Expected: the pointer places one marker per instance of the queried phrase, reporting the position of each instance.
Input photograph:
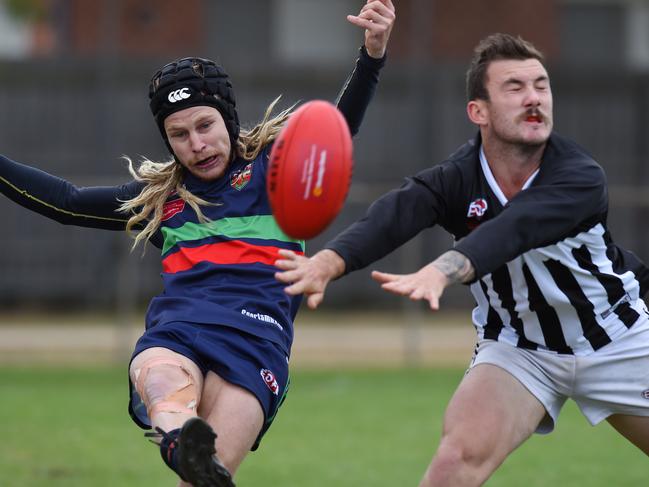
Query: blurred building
(585, 32)
(73, 80)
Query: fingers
(303, 275)
(393, 283)
(314, 300)
(298, 283)
(369, 25)
(408, 286)
(433, 303)
(291, 273)
(387, 3)
(381, 7)
(420, 293)
(377, 18)
(287, 276)
(296, 288)
(383, 276)
(371, 20)
(290, 260)
(288, 255)
(374, 16)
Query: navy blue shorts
(255, 364)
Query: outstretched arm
(56, 198)
(377, 18)
(430, 281)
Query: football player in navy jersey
(559, 311)
(214, 356)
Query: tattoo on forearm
(455, 266)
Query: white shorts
(611, 380)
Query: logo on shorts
(270, 381)
(645, 393)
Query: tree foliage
(27, 10)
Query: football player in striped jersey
(559, 310)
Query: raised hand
(377, 18)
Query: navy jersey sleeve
(392, 220)
(567, 197)
(359, 89)
(56, 198)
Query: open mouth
(207, 162)
(533, 118)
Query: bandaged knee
(166, 386)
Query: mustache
(534, 112)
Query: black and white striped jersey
(548, 275)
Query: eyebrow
(199, 120)
(174, 128)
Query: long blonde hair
(164, 178)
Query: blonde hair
(164, 178)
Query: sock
(169, 448)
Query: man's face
(200, 141)
(519, 109)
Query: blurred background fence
(73, 100)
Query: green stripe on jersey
(258, 226)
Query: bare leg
(235, 415)
(490, 414)
(633, 428)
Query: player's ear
(477, 111)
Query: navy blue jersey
(220, 272)
(223, 270)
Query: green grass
(69, 427)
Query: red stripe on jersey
(233, 252)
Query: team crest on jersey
(270, 381)
(645, 393)
(171, 208)
(477, 208)
(240, 178)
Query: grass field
(347, 428)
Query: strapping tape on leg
(183, 395)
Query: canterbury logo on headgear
(178, 95)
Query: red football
(310, 169)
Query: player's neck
(512, 164)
